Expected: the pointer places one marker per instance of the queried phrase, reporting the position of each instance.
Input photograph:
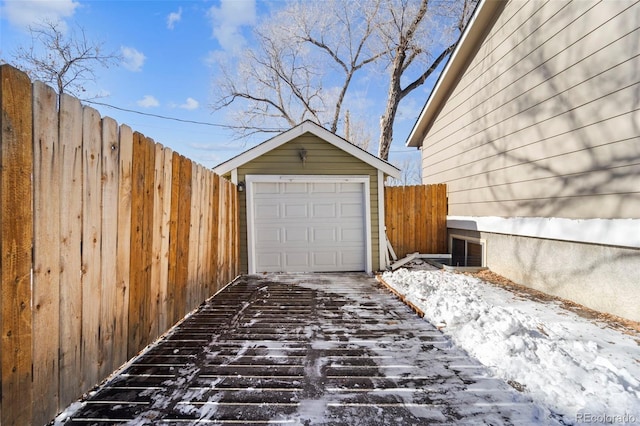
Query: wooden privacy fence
(416, 218)
(107, 240)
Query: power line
(164, 117)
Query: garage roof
(299, 130)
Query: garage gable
(316, 130)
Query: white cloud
(148, 102)
(228, 20)
(173, 18)
(215, 57)
(133, 60)
(190, 104)
(24, 13)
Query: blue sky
(169, 50)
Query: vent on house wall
(466, 251)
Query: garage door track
(331, 349)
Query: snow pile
(578, 368)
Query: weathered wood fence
(416, 218)
(107, 240)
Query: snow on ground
(578, 368)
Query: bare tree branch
(290, 60)
(66, 60)
(415, 43)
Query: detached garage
(311, 202)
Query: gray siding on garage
(545, 120)
(323, 158)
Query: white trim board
(614, 232)
(382, 237)
(251, 179)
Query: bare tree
(411, 33)
(65, 59)
(272, 83)
(307, 55)
(343, 36)
(301, 66)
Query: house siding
(545, 120)
(538, 141)
(323, 158)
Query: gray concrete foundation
(604, 278)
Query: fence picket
(70, 248)
(156, 241)
(109, 231)
(163, 315)
(16, 223)
(91, 243)
(123, 266)
(182, 240)
(137, 312)
(193, 237)
(215, 213)
(172, 285)
(46, 253)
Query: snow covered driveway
(313, 349)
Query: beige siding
(545, 121)
(322, 159)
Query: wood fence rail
(107, 240)
(416, 218)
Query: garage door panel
(351, 235)
(296, 235)
(267, 210)
(268, 235)
(351, 258)
(351, 210)
(273, 260)
(324, 211)
(325, 235)
(296, 210)
(325, 259)
(309, 226)
(323, 188)
(267, 188)
(294, 188)
(350, 188)
(296, 260)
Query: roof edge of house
(474, 31)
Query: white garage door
(307, 226)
